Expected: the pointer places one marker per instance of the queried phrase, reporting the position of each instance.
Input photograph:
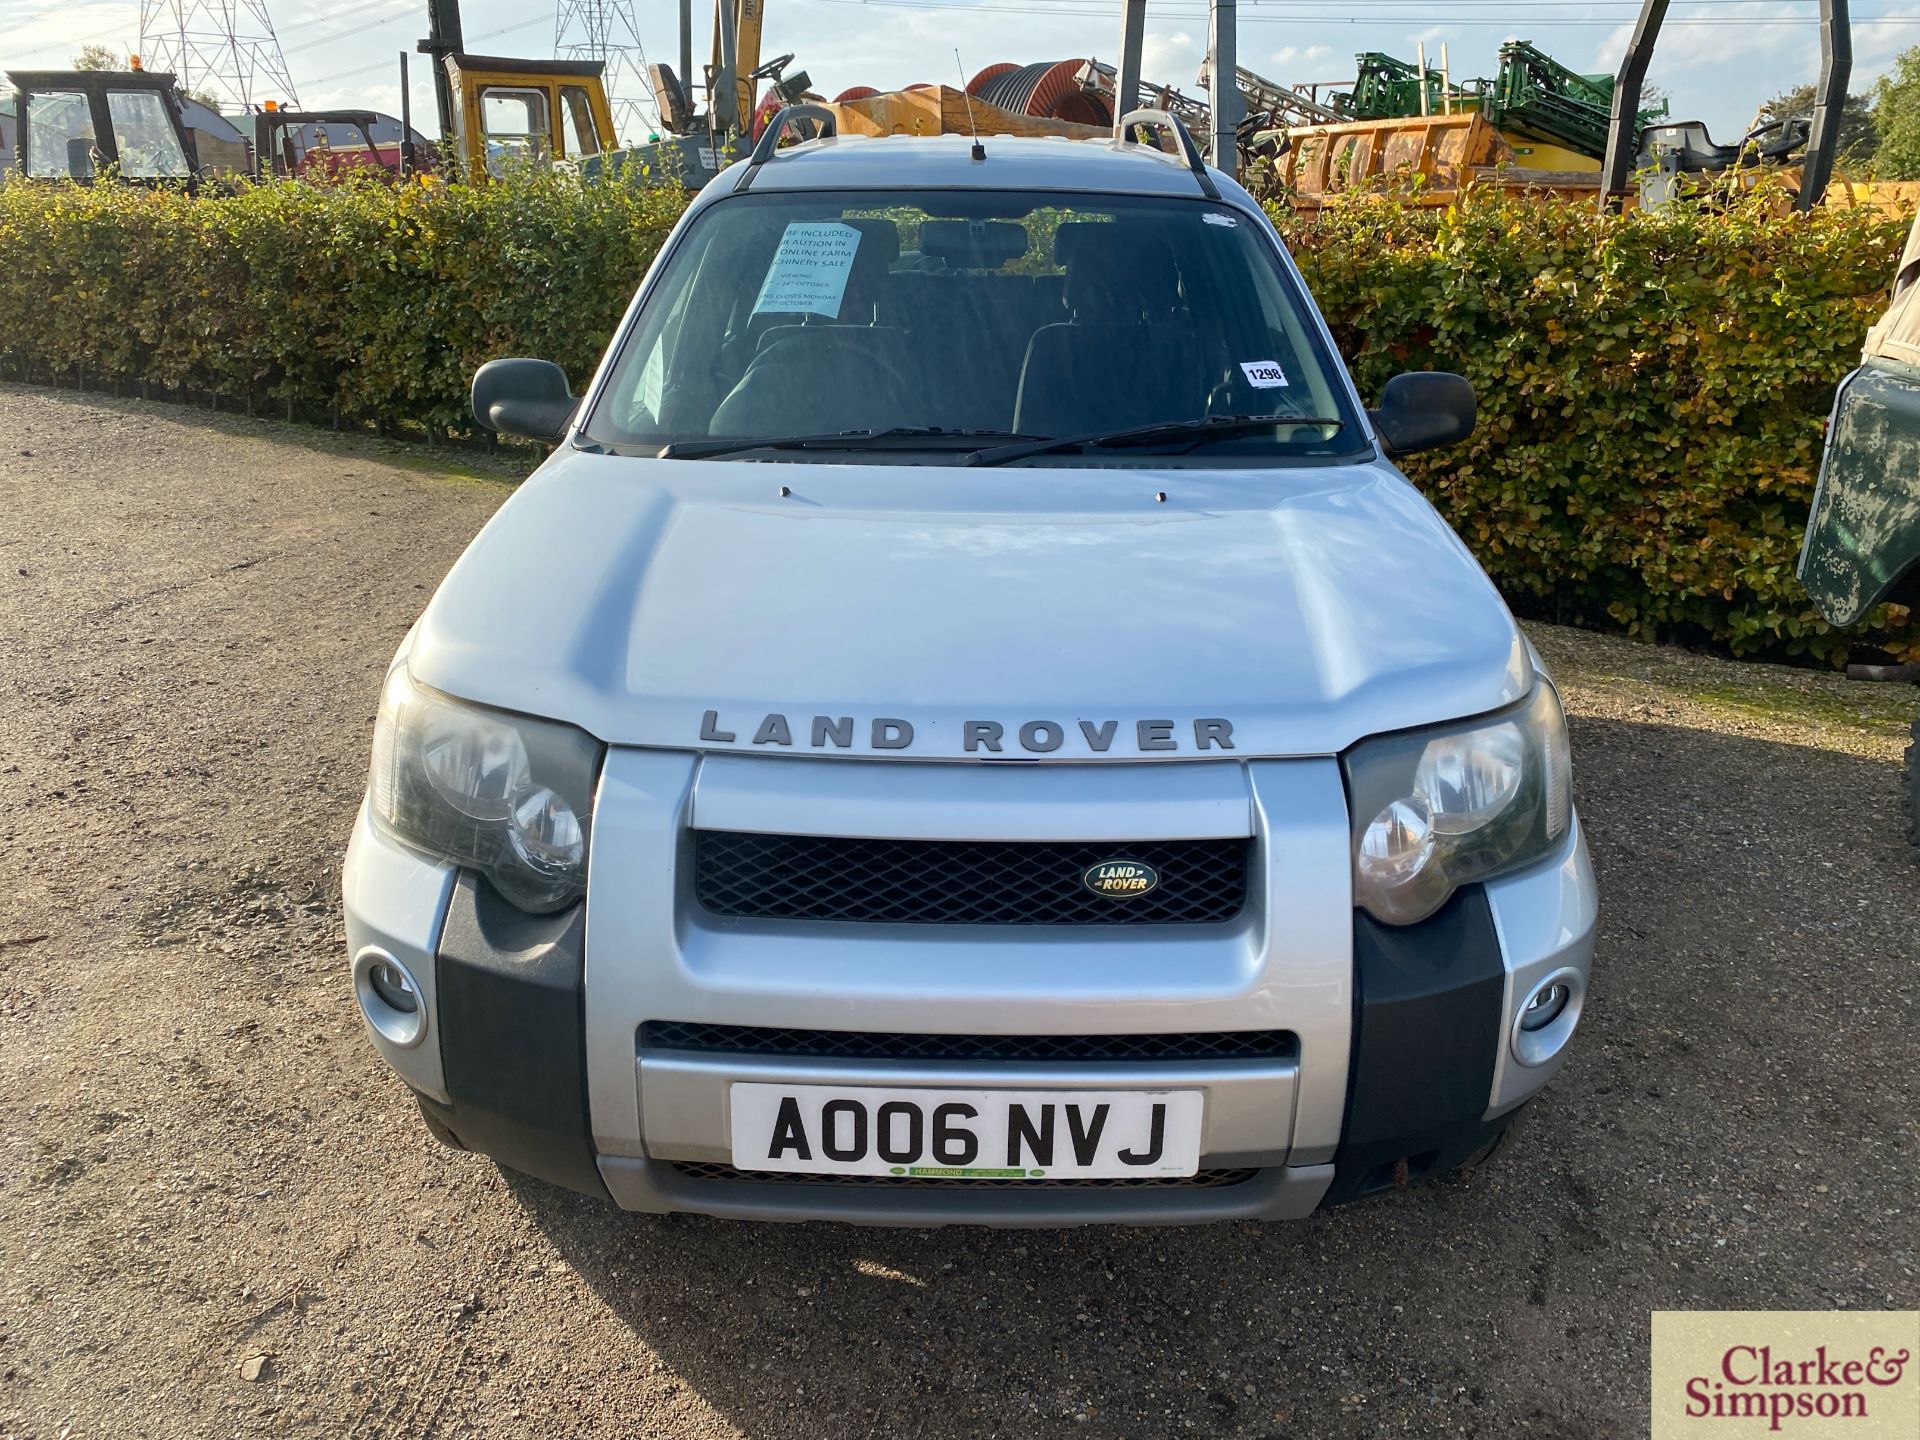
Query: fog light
(1544, 1007)
(1547, 1017)
(393, 985)
(389, 997)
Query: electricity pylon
(218, 48)
(605, 30)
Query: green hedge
(1653, 393)
(1652, 387)
(372, 300)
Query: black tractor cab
(83, 125)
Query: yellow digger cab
(509, 112)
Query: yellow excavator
(497, 112)
(699, 144)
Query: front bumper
(1403, 1062)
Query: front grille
(962, 882)
(884, 1045)
(1201, 1180)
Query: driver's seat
(829, 374)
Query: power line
(119, 29)
(384, 64)
(26, 22)
(379, 22)
(404, 13)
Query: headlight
(502, 794)
(1435, 809)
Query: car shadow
(1759, 907)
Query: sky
(1718, 60)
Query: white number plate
(967, 1134)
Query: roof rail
(1165, 121)
(769, 140)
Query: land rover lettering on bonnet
(969, 725)
(1038, 737)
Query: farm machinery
(138, 127)
(1537, 125)
(699, 144)
(84, 124)
(1670, 156)
(304, 144)
(497, 111)
(1076, 97)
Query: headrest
(1120, 275)
(1067, 237)
(879, 248)
(879, 240)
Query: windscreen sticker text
(1214, 217)
(809, 271)
(1263, 374)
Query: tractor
(82, 125)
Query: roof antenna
(979, 151)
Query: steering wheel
(1795, 129)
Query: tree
(99, 57)
(1859, 132)
(1897, 109)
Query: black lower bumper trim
(1427, 1012)
(511, 1037)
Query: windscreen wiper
(1208, 427)
(733, 444)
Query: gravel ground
(209, 1177)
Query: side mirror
(528, 398)
(1424, 410)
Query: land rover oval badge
(1120, 879)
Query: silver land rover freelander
(969, 725)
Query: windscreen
(59, 134)
(144, 135)
(998, 314)
(515, 124)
